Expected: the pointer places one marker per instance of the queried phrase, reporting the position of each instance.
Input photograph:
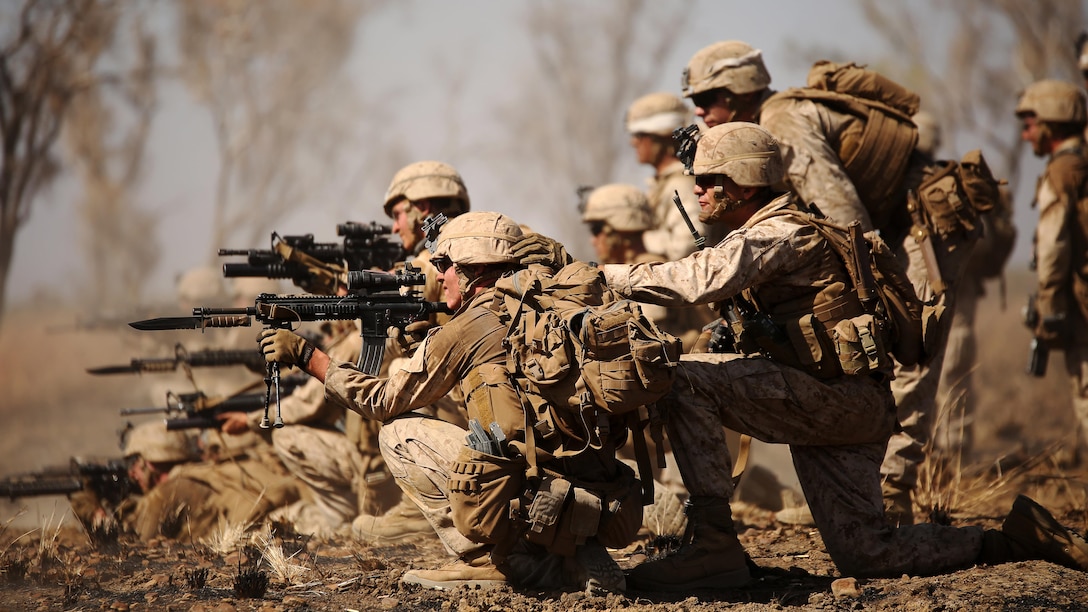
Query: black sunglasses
(705, 99)
(441, 264)
(596, 227)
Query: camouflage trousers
(419, 451)
(328, 463)
(837, 431)
(915, 387)
(953, 429)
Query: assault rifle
(377, 302)
(206, 358)
(108, 479)
(318, 267)
(198, 411)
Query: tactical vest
(847, 327)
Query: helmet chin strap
(467, 285)
(1042, 139)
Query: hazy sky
(396, 54)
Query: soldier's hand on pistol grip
(539, 249)
(282, 346)
(411, 337)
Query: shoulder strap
(852, 104)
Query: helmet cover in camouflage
(424, 180)
(658, 113)
(624, 208)
(200, 286)
(478, 238)
(929, 132)
(1053, 101)
(154, 442)
(745, 152)
(732, 65)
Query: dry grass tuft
(228, 537)
(951, 488)
(48, 548)
(280, 563)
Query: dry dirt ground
(52, 410)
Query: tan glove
(539, 249)
(284, 347)
(411, 336)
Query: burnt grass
(1024, 429)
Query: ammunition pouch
(561, 513)
(837, 338)
(490, 503)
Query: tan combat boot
(596, 571)
(711, 557)
(402, 521)
(473, 570)
(1034, 533)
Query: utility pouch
(859, 345)
(978, 182)
(481, 487)
(628, 361)
(564, 513)
(948, 211)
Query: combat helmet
(658, 113)
(428, 179)
(732, 65)
(155, 443)
(624, 208)
(1053, 101)
(478, 238)
(745, 152)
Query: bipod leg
(276, 377)
(269, 370)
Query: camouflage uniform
(808, 132)
(836, 428)
(419, 181)
(197, 500)
(419, 450)
(1062, 264)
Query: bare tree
(590, 61)
(994, 49)
(107, 144)
(267, 72)
(47, 55)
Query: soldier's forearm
(318, 364)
